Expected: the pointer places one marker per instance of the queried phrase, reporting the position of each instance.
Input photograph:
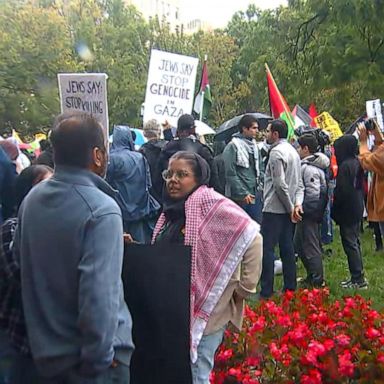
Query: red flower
(346, 366)
(252, 361)
(372, 333)
(275, 352)
(328, 344)
(288, 295)
(224, 355)
(308, 339)
(314, 377)
(373, 315)
(284, 321)
(350, 302)
(258, 325)
(236, 372)
(343, 340)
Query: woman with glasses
(226, 254)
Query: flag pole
(281, 100)
(202, 93)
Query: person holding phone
(373, 161)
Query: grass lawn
(336, 270)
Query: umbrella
(226, 130)
(203, 129)
(139, 140)
(352, 128)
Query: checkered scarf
(219, 233)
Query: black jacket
(186, 144)
(348, 204)
(46, 158)
(151, 150)
(7, 183)
(218, 174)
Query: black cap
(185, 123)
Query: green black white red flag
(278, 105)
(203, 99)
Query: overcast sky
(219, 12)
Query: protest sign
(328, 123)
(374, 111)
(85, 92)
(170, 86)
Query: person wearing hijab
(348, 207)
(226, 254)
(13, 338)
(128, 172)
(185, 140)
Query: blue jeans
(277, 229)
(15, 368)
(255, 211)
(206, 356)
(117, 375)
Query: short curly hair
(152, 129)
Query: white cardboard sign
(85, 92)
(170, 86)
(373, 108)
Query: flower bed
(304, 338)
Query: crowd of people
(67, 218)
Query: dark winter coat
(151, 150)
(46, 158)
(128, 172)
(7, 182)
(218, 174)
(348, 204)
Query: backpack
(314, 208)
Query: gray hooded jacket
(313, 175)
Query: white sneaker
(278, 269)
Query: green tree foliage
(221, 51)
(330, 52)
(34, 46)
(325, 51)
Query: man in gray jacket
(70, 245)
(283, 199)
(307, 233)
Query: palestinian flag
(278, 105)
(203, 99)
(301, 118)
